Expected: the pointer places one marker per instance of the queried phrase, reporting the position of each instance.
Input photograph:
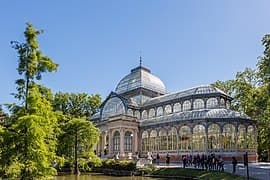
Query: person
(220, 164)
(234, 163)
(168, 159)
(184, 161)
(158, 157)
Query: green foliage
(29, 143)
(29, 139)
(149, 169)
(76, 105)
(264, 61)
(118, 165)
(79, 136)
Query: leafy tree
(78, 135)
(76, 105)
(29, 141)
(32, 62)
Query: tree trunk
(76, 171)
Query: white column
(135, 142)
(122, 136)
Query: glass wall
(212, 103)
(241, 135)
(213, 136)
(228, 136)
(185, 138)
(163, 139)
(152, 113)
(159, 111)
(198, 104)
(251, 137)
(177, 107)
(186, 106)
(144, 114)
(172, 139)
(116, 141)
(128, 141)
(153, 141)
(168, 109)
(199, 138)
(145, 141)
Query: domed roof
(140, 77)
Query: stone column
(102, 144)
(122, 136)
(110, 143)
(135, 142)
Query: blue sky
(96, 43)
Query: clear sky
(96, 43)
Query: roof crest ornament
(140, 58)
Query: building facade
(140, 117)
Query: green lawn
(196, 173)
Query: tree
(80, 135)
(75, 130)
(29, 141)
(32, 62)
(77, 105)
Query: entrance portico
(119, 135)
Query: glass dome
(140, 77)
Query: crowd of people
(208, 162)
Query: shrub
(119, 165)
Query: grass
(196, 174)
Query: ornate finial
(140, 58)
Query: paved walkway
(259, 171)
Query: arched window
(130, 112)
(184, 138)
(113, 106)
(251, 136)
(168, 109)
(116, 141)
(228, 136)
(212, 103)
(145, 141)
(159, 111)
(228, 105)
(151, 113)
(186, 106)
(172, 139)
(222, 103)
(198, 104)
(163, 139)
(198, 138)
(137, 114)
(144, 114)
(128, 141)
(213, 136)
(177, 107)
(153, 141)
(241, 135)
